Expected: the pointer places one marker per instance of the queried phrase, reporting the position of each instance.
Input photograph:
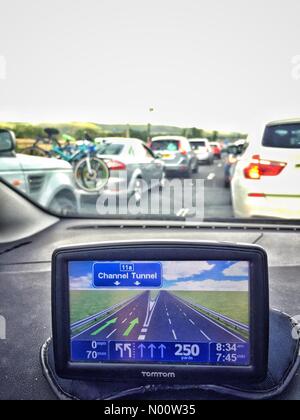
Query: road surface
(165, 318)
(217, 197)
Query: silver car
(48, 182)
(177, 155)
(203, 151)
(132, 166)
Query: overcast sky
(209, 63)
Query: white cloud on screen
(184, 269)
(212, 286)
(80, 283)
(239, 269)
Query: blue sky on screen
(181, 275)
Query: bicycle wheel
(35, 151)
(94, 181)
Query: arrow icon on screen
(117, 283)
(142, 347)
(162, 349)
(132, 325)
(152, 347)
(104, 326)
(137, 283)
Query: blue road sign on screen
(127, 274)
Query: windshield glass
(145, 110)
(111, 149)
(283, 136)
(165, 145)
(198, 145)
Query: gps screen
(178, 312)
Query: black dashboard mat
(284, 362)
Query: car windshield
(112, 110)
(198, 145)
(283, 136)
(111, 149)
(165, 145)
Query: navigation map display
(178, 312)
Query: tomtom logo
(159, 375)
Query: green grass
(89, 302)
(234, 305)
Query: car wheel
(227, 183)
(64, 205)
(189, 172)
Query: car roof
(284, 122)
(197, 140)
(179, 138)
(122, 140)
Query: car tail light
(257, 195)
(182, 150)
(115, 165)
(260, 167)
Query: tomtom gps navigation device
(182, 312)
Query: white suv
(49, 182)
(266, 179)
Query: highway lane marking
(125, 320)
(142, 338)
(174, 335)
(170, 322)
(144, 330)
(87, 331)
(184, 314)
(192, 322)
(150, 315)
(214, 323)
(130, 313)
(205, 335)
(109, 335)
(211, 177)
(219, 326)
(183, 212)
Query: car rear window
(111, 149)
(198, 145)
(282, 136)
(169, 145)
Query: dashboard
(25, 283)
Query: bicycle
(37, 150)
(91, 173)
